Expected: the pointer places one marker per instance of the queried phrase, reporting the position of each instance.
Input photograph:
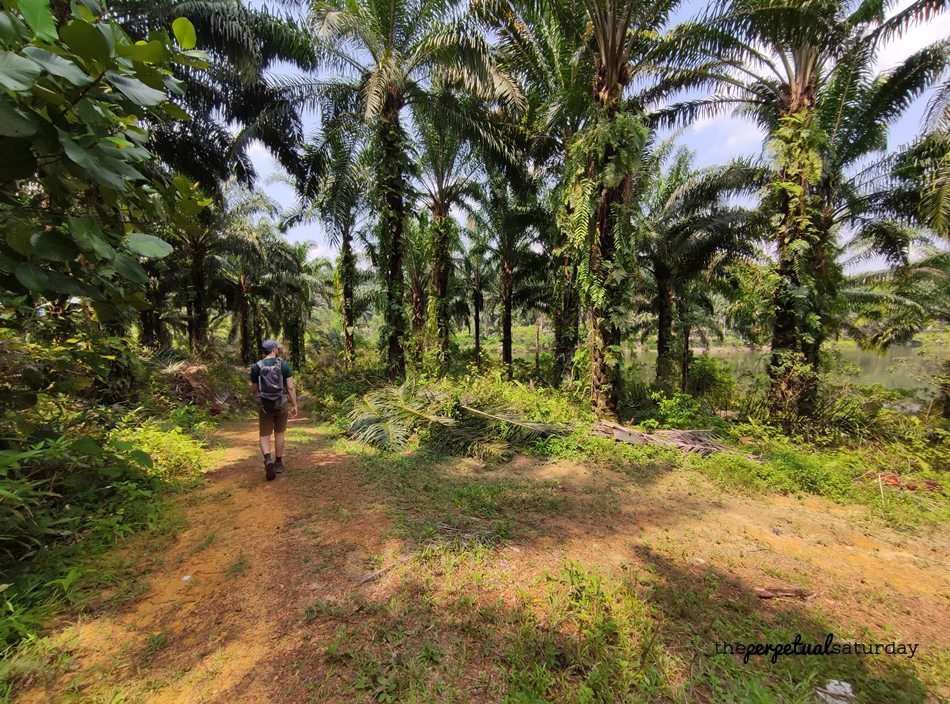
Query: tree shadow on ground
(477, 624)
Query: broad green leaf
(150, 76)
(173, 85)
(86, 13)
(147, 52)
(7, 264)
(118, 166)
(10, 29)
(86, 42)
(138, 301)
(18, 237)
(183, 184)
(129, 269)
(18, 159)
(54, 246)
(148, 245)
(48, 96)
(16, 72)
(142, 458)
(31, 276)
(175, 111)
(185, 33)
(37, 14)
(105, 311)
(14, 123)
(188, 206)
(21, 400)
(68, 286)
(111, 472)
(58, 66)
(86, 446)
(135, 90)
(88, 235)
(86, 159)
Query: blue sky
(715, 141)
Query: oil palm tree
(232, 89)
(621, 38)
(538, 42)
(476, 275)
(508, 224)
(200, 242)
(683, 223)
(801, 70)
(334, 190)
(386, 57)
(448, 167)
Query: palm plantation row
(543, 142)
(521, 139)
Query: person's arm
(292, 392)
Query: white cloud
(716, 140)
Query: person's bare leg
(265, 444)
(278, 444)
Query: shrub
(174, 454)
(713, 379)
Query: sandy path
(224, 604)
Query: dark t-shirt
(284, 369)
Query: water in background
(895, 369)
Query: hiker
(272, 383)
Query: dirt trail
(275, 569)
(222, 607)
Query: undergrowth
(77, 485)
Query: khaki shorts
(273, 422)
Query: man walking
(272, 383)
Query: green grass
(646, 632)
(579, 632)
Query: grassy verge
(480, 612)
(87, 496)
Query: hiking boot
(269, 470)
(278, 466)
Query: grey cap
(270, 346)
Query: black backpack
(271, 385)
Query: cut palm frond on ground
(697, 442)
(386, 418)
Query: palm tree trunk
(566, 319)
(198, 320)
(477, 305)
(244, 324)
(441, 316)
(664, 336)
(943, 384)
(417, 292)
(148, 327)
(799, 267)
(537, 348)
(507, 293)
(605, 387)
(392, 184)
(347, 285)
(684, 380)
